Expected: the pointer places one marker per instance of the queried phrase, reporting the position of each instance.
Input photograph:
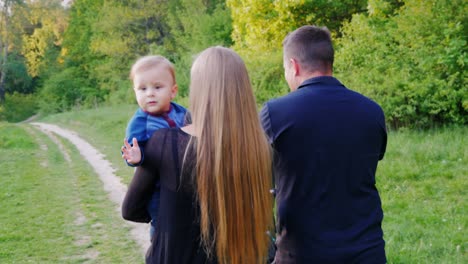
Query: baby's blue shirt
(142, 125)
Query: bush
(66, 90)
(267, 75)
(18, 107)
(412, 63)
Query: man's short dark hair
(311, 46)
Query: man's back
(328, 140)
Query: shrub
(18, 107)
(267, 75)
(67, 89)
(413, 63)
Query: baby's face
(154, 89)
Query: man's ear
(295, 66)
(174, 90)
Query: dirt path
(89, 254)
(111, 183)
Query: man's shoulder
(290, 101)
(369, 102)
(285, 99)
(277, 109)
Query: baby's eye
(143, 88)
(158, 87)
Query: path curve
(112, 184)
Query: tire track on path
(81, 239)
(111, 183)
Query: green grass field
(422, 182)
(54, 210)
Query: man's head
(154, 83)
(307, 52)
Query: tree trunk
(3, 72)
(4, 46)
(2, 89)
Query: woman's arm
(142, 186)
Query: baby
(155, 87)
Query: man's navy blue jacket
(327, 141)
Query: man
(328, 141)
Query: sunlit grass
(423, 183)
(55, 211)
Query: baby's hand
(132, 154)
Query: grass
(53, 210)
(422, 181)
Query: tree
(66, 80)
(79, 33)
(123, 31)
(5, 35)
(48, 21)
(197, 24)
(410, 58)
(194, 25)
(261, 25)
(17, 77)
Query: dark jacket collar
(329, 80)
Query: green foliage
(18, 107)
(194, 26)
(77, 36)
(17, 77)
(47, 21)
(71, 81)
(103, 40)
(413, 63)
(267, 76)
(408, 55)
(122, 32)
(260, 26)
(67, 89)
(197, 24)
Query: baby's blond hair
(147, 62)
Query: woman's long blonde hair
(233, 159)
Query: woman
(215, 174)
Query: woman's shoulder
(164, 132)
(163, 142)
(167, 134)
